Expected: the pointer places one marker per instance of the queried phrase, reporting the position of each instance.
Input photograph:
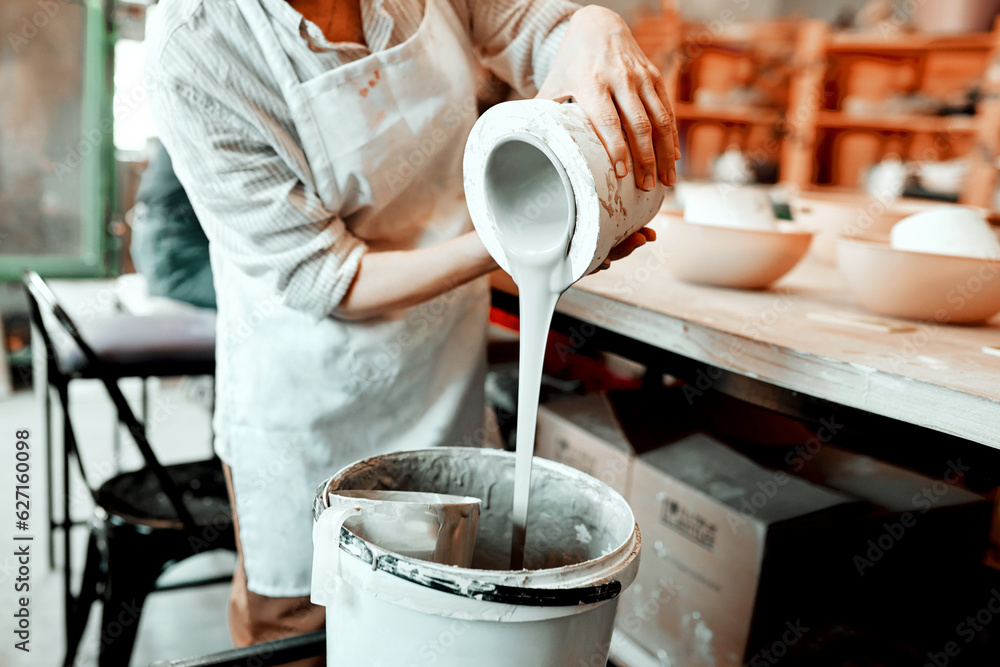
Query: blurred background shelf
(729, 85)
(939, 74)
(899, 123)
(801, 103)
(744, 115)
(911, 43)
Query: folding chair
(148, 519)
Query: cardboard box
(738, 558)
(584, 433)
(600, 434)
(710, 519)
(913, 557)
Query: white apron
(298, 400)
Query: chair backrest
(44, 310)
(45, 307)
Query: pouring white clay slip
(545, 199)
(532, 202)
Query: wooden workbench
(935, 376)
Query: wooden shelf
(868, 44)
(845, 195)
(827, 67)
(900, 123)
(835, 65)
(748, 115)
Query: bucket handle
(498, 593)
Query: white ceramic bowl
(918, 285)
(948, 230)
(730, 256)
(841, 215)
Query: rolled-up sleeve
(254, 208)
(518, 39)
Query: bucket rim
(408, 497)
(552, 587)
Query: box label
(688, 523)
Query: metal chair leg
(63, 391)
(49, 478)
(82, 603)
(131, 577)
(116, 444)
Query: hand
(627, 247)
(601, 67)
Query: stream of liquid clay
(534, 276)
(539, 265)
(534, 210)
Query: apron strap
(263, 29)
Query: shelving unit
(806, 72)
(748, 115)
(893, 123)
(917, 43)
(830, 146)
(705, 60)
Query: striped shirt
(221, 114)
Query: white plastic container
(582, 551)
(557, 157)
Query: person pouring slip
(321, 144)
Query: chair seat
(144, 346)
(137, 495)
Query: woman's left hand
(601, 67)
(627, 247)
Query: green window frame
(94, 258)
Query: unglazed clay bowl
(919, 285)
(731, 256)
(834, 216)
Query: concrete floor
(174, 624)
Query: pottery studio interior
(685, 351)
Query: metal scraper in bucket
(428, 526)
(435, 527)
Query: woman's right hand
(602, 68)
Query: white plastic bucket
(582, 551)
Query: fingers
(663, 134)
(627, 247)
(632, 115)
(601, 110)
(660, 89)
(639, 131)
(605, 265)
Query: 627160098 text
(22, 541)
